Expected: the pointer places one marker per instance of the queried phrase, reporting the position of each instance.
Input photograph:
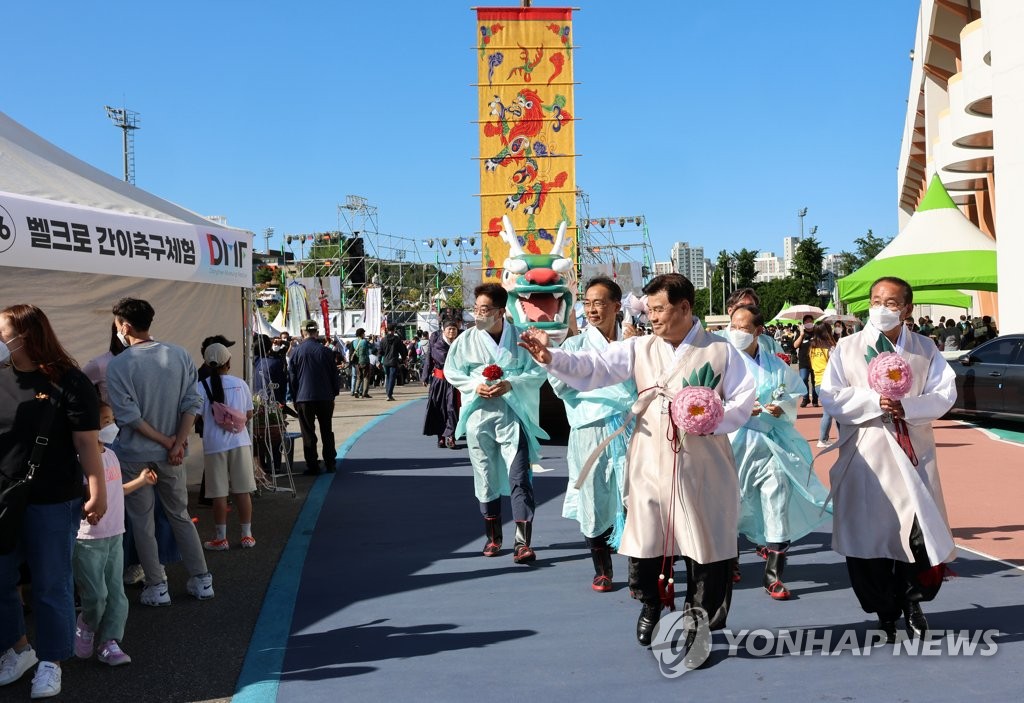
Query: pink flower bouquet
(890, 376)
(697, 410)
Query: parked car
(990, 379)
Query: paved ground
(193, 651)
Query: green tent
(785, 306)
(938, 250)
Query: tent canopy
(76, 239)
(939, 249)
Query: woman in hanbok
(781, 499)
(443, 398)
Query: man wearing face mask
(890, 518)
(748, 296)
(499, 417)
(595, 415)
(781, 499)
(803, 355)
(681, 492)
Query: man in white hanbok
(681, 491)
(889, 516)
(781, 499)
(748, 296)
(499, 417)
(593, 416)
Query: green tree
(265, 274)
(745, 269)
(868, 248)
(700, 302)
(807, 269)
(774, 294)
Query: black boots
(650, 614)
(522, 552)
(601, 553)
(888, 628)
(917, 624)
(775, 564)
(492, 528)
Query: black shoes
(522, 552)
(917, 624)
(492, 528)
(649, 617)
(888, 628)
(450, 442)
(775, 564)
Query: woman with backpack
(227, 406)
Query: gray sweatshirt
(155, 382)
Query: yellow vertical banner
(527, 132)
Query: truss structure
(612, 240)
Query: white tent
(73, 240)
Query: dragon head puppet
(540, 287)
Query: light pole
(801, 213)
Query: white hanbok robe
(492, 425)
(693, 490)
(877, 491)
(594, 415)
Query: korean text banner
(527, 142)
(43, 234)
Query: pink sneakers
(83, 639)
(110, 653)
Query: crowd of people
(642, 480)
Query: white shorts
(229, 471)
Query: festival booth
(940, 253)
(74, 240)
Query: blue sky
(717, 120)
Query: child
(99, 560)
(228, 454)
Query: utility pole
(128, 121)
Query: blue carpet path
(383, 595)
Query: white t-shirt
(112, 523)
(236, 395)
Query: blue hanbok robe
(492, 425)
(593, 416)
(781, 499)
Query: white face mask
(484, 323)
(884, 319)
(109, 433)
(121, 338)
(277, 347)
(740, 339)
(5, 351)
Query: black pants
(708, 586)
(520, 482)
(886, 586)
(319, 411)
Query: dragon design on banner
(540, 287)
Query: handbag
(14, 492)
(226, 417)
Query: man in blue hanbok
(499, 416)
(781, 499)
(593, 416)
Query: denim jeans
(47, 542)
(807, 376)
(826, 420)
(389, 380)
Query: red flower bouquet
(785, 357)
(493, 373)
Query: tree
(774, 294)
(745, 269)
(868, 248)
(700, 302)
(265, 274)
(807, 270)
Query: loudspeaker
(355, 262)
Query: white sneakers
(201, 586)
(46, 682)
(155, 595)
(824, 444)
(13, 665)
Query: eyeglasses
(484, 310)
(595, 304)
(891, 304)
(658, 310)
